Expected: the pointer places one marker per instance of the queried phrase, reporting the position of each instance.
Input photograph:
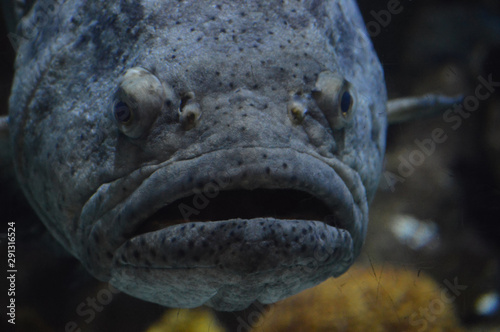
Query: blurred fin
(5, 155)
(14, 10)
(4, 129)
(411, 108)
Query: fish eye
(122, 112)
(335, 97)
(138, 101)
(346, 102)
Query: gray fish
(200, 152)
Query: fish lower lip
(264, 260)
(289, 221)
(229, 219)
(238, 245)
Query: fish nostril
(297, 109)
(189, 111)
(190, 115)
(185, 98)
(296, 113)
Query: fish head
(198, 153)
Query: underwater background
(431, 261)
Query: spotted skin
(122, 109)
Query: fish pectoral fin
(410, 108)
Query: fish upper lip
(330, 181)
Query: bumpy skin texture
(244, 65)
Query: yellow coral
(366, 299)
(187, 320)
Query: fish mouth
(262, 223)
(283, 204)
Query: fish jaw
(226, 264)
(264, 265)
